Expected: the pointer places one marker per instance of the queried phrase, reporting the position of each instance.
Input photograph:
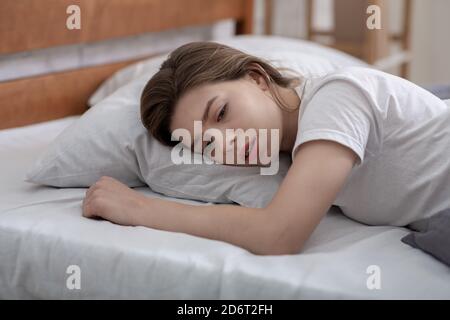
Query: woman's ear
(258, 79)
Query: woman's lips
(252, 153)
(245, 150)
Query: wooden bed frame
(35, 24)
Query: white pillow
(125, 76)
(109, 139)
(308, 58)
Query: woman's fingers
(100, 183)
(87, 201)
(99, 195)
(85, 211)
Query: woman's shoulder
(365, 80)
(355, 74)
(347, 78)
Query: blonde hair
(195, 64)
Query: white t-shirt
(401, 134)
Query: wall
(430, 41)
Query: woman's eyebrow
(205, 116)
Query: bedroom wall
(430, 41)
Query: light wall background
(430, 31)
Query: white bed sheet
(42, 232)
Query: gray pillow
(433, 236)
(109, 139)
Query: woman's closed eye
(220, 116)
(222, 112)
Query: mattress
(43, 235)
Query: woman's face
(240, 104)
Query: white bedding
(42, 232)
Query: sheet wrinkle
(41, 202)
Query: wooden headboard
(36, 24)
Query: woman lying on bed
(371, 143)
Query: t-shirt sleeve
(338, 111)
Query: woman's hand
(110, 199)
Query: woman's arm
(313, 181)
(249, 228)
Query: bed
(43, 235)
